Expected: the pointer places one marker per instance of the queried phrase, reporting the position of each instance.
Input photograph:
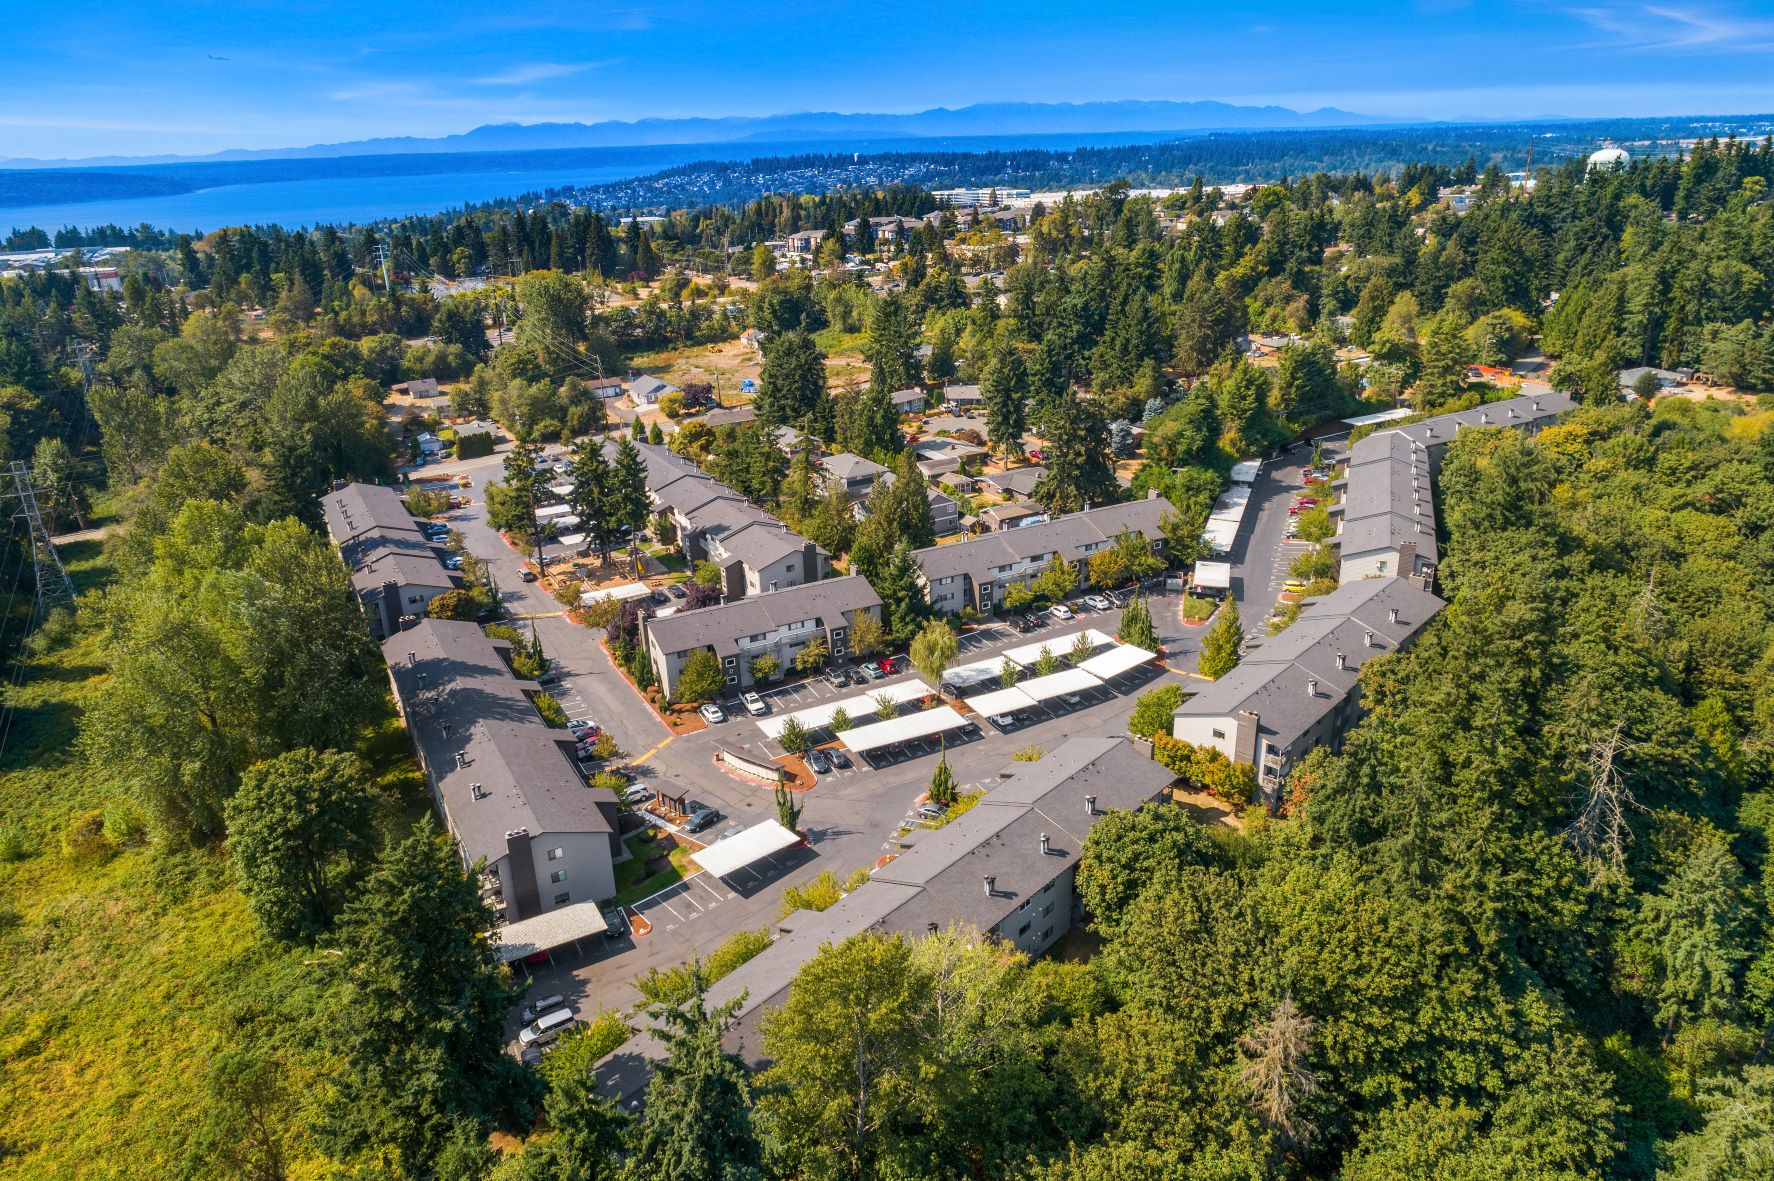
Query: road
(850, 817)
(1262, 554)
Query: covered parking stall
(745, 848)
(817, 717)
(1060, 646)
(876, 742)
(542, 933)
(1117, 661)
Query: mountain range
(1010, 118)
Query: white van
(546, 1027)
(542, 1005)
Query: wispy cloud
(79, 124)
(539, 72)
(1689, 30)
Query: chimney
(412, 659)
(1046, 847)
(1090, 805)
(475, 791)
(1312, 686)
(1392, 615)
(991, 886)
(1367, 639)
(1342, 663)
(462, 760)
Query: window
(732, 680)
(556, 854)
(557, 877)
(1022, 930)
(562, 899)
(791, 567)
(1218, 733)
(1047, 887)
(730, 662)
(1024, 906)
(1047, 934)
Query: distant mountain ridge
(1010, 118)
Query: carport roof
(1120, 659)
(816, 716)
(1058, 645)
(740, 850)
(1071, 680)
(548, 930)
(1000, 701)
(918, 725)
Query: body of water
(319, 200)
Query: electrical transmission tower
(380, 254)
(54, 587)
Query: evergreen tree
(1005, 387)
(418, 1026)
(592, 497)
(1219, 652)
(892, 347)
(697, 1122)
(627, 502)
(1445, 355)
(903, 604)
(1079, 468)
(942, 782)
(874, 427)
(1136, 624)
(791, 383)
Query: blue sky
(139, 78)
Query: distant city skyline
(186, 77)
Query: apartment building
(395, 570)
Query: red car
(1038, 456)
(888, 666)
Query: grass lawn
(131, 971)
(633, 882)
(1195, 610)
(669, 559)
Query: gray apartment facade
(505, 783)
(779, 624)
(975, 573)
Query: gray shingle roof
(847, 467)
(723, 626)
(1274, 678)
(459, 696)
(1020, 481)
(357, 509)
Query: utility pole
(54, 587)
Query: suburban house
(756, 552)
(853, 474)
(1003, 870)
(605, 387)
(937, 456)
(1386, 517)
(395, 571)
(996, 518)
(1665, 378)
(910, 401)
(419, 387)
(1299, 690)
(778, 624)
(646, 391)
(731, 415)
(963, 397)
(1015, 484)
(505, 782)
(974, 573)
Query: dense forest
(1517, 928)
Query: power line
(54, 587)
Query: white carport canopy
(965, 675)
(622, 590)
(1245, 471)
(919, 725)
(815, 716)
(741, 849)
(572, 539)
(1216, 575)
(1060, 646)
(553, 511)
(549, 930)
(1002, 701)
(1072, 680)
(1120, 659)
(1220, 534)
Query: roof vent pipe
(412, 659)
(1367, 639)
(991, 885)
(930, 927)
(1046, 847)
(1392, 615)
(1090, 805)
(1312, 687)
(1342, 663)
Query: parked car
(891, 665)
(754, 705)
(546, 1027)
(1115, 599)
(1071, 699)
(932, 811)
(816, 759)
(837, 678)
(857, 677)
(1060, 612)
(1096, 602)
(1038, 456)
(526, 575)
(1004, 721)
(712, 713)
(541, 1005)
(615, 923)
(733, 831)
(701, 817)
(677, 591)
(840, 760)
(874, 670)
(637, 794)
(1024, 624)
(660, 598)
(578, 726)
(1293, 586)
